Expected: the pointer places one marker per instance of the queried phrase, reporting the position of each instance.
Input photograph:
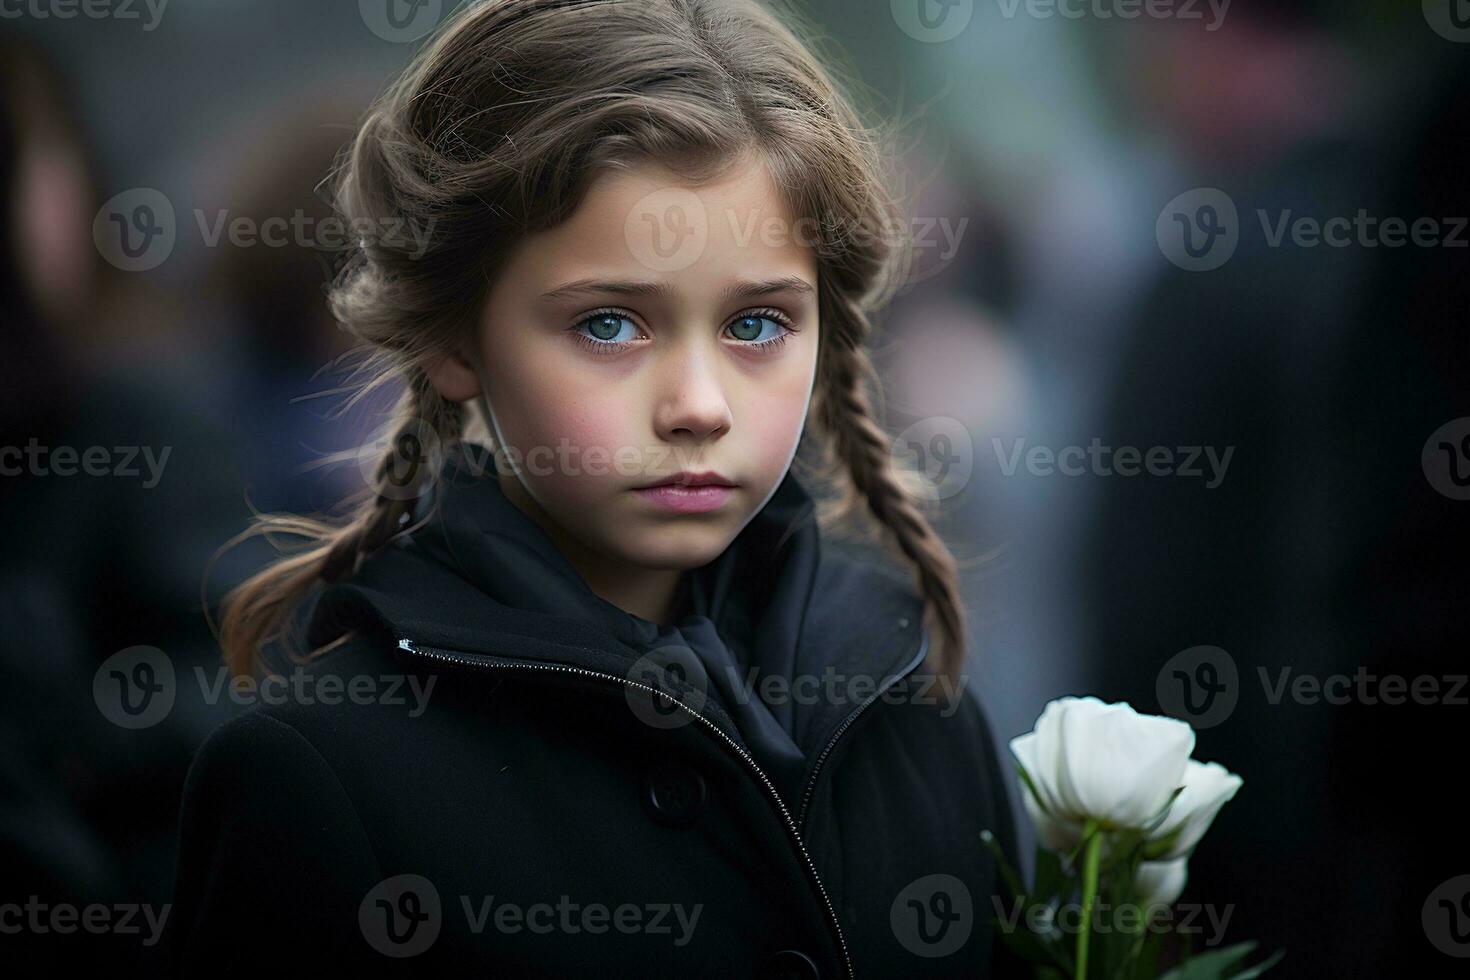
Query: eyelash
(612, 347)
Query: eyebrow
(736, 290)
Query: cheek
(777, 420)
(568, 432)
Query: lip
(686, 499)
(687, 479)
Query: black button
(674, 793)
(791, 964)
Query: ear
(453, 377)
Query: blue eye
(751, 329)
(610, 329)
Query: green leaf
(1260, 967)
(1008, 873)
(1218, 964)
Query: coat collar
(480, 577)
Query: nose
(692, 406)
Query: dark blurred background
(1099, 271)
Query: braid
(863, 449)
(423, 415)
(258, 610)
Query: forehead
(648, 222)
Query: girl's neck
(653, 594)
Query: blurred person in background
(277, 347)
(1324, 550)
(109, 559)
(59, 759)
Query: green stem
(1090, 860)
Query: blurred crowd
(1046, 310)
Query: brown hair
(495, 130)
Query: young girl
(589, 692)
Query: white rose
(1207, 787)
(1160, 882)
(1106, 762)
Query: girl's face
(664, 329)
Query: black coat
(536, 809)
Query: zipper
(434, 653)
(811, 781)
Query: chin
(677, 548)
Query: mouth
(688, 493)
(688, 480)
